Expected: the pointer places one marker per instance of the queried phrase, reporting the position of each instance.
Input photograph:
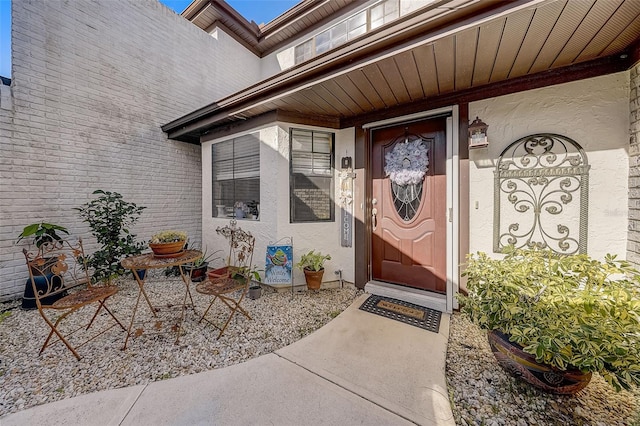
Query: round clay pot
(314, 278)
(520, 364)
(163, 249)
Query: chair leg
(54, 329)
(207, 311)
(103, 305)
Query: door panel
(408, 250)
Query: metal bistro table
(151, 261)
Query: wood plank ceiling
(552, 35)
(544, 36)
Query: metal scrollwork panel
(541, 195)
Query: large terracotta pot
(520, 364)
(166, 249)
(313, 278)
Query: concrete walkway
(359, 369)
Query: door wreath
(407, 163)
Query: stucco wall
(594, 113)
(93, 81)
(274, 205)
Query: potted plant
(167, 243)
(564, 316)
(312, 264)
(198, 268)
(110, 218)
(42, 233)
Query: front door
(408, 212)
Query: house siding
(92, 84)
(594, 113)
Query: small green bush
(567, 311)
(110, 218)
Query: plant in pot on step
(252, 273)
(312, 264)
(198, 269)
(168, 243)
(42, 233)
(553, 320)
(111, 218)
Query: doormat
(408, 313)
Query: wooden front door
(408, 221)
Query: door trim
(453, 193)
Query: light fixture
(478, 134)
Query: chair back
(241, 247)
(54, 268)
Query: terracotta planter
(167, 249)
(313, 278)
(520, 364)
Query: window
(235, 167)
(331, 38)
(304, 51)
(311, 176)
(375, 16)
(384, 12)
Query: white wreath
(407, 163)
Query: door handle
(374, 218)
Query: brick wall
(92, 83)
(633, 245)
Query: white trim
(445, 303)
(418, 297)
(453, 201)
(410, 117)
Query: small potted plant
(555, 319)
(198, 268)
(312, 264)
(168, 243)
(42, 233)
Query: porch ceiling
(428, 58)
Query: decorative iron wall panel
(541, 195)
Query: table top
(152, 261)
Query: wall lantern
(478, 134)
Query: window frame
(331, 176)
(237, 175)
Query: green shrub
(110, 218)
(565, 310)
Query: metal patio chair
(62, 286)
(230, 284)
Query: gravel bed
(279, 319)
(481, 392)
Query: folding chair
(54, 269)
(231, 283)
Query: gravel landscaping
(481, 393)
(279, 319)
